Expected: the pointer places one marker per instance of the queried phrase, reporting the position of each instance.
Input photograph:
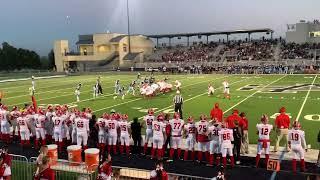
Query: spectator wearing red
(45, 172)
(105, 169)
(159, 173)
(244, 125)
(233, 117)
(282, 124)
(216, 113)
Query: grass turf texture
(254, 102)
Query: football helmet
(296, 125)
(176, 115)
(125, 117)
(150, 111)
(190, 119)
(264, 119)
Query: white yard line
(189, 99)
(305, 99)
(254, 94)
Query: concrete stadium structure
(98, 51)
(303, 32)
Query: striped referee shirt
(178, 99)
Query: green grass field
(253, 94)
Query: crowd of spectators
(298, 51)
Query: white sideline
(254, 94)
(24, 79)
(305, 99)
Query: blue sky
(35, 24)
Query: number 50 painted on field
(273, 165)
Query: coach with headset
(177, 103)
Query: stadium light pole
(128, 21)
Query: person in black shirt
(237, 135)
(136, 135)
(318, 162)
(93, 140)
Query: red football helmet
(203, 117)
(77, 112)
(150, 111)
(57, 108)
(264, 119)
(160, 118)
(296, 125)
(235, 111)
(176, 115)
(4, 107)
(50, 108)
(84, 115)
(125, 117)
(224, 125)
(15, 108)
(24, 113)
(190, 119)
(88, 110)
(40, 111)
(106, 116)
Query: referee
(177, 103)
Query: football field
(253, 94)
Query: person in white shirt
(298, 145)
(82, 130)
(77, 92)
(148, 119)
(177, 126)
(263, 131)
(210, 90)
(158, 128)
(102, 136)
(40, 119)
(5, 125)
(214, 131)
(226, 89)
(112, 126)
(225, 138)
(190, 132)
(178, 85)
(24, 129)
(124, 134)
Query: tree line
(12, 58)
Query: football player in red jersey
(216, 113)
(298, 145)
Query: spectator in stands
(136, 135)
(237, 137)
(159, 173)
(220, 175)
(45, 172)
(245, 138)
(282, 124)
(105, 169)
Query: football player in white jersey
(77, 92)
(215, 150)
(178, 85)
(82, 130)
(202, 137)
(210, 90)
(124, 134)
(190, 132)
(158, 137)
(24, 129)
(57, 131)
(5, 125)
(112, 126)
(73, 115)
(225, 138)
(101, 125)
(40, 119)
(298, 145)
(263, 131)
(14, 114)
(148, 119)
(177, 126)
(226, 89)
